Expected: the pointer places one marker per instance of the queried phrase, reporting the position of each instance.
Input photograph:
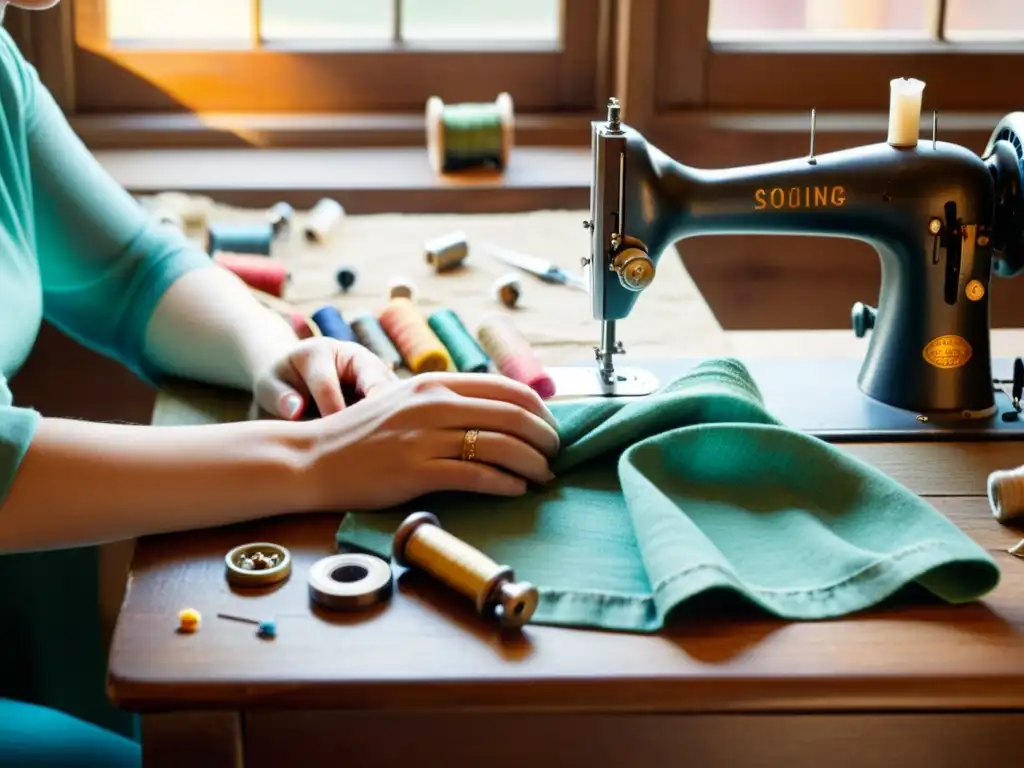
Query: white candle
(905, 111)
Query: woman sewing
(78, 251)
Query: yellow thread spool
(419, 346)
(420, 542)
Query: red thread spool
(257, 272)
(512, 354)
(302, 326)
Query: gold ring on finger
(469, 444)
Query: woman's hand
(314, 372)
(406, 440)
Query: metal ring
(469, 444)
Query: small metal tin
(257, 574)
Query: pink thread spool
(512, 354)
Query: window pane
(339, 20)
(481, 20)
(135, 21)
(985, 20)
(821, 19)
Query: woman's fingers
(472, 477)
(316, 369)
(486, 386)
(496, 416)
(503, 451)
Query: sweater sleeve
(104, 261)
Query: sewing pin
(935, 125)
(263, 628)
(810, 158)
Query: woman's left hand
(314, 371)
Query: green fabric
(696, 490)
(78, 251)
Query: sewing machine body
(942, 219)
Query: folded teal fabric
(697, 489)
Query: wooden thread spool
(512, 355)
(448, 252)
(281, 217)
(322, 218)
(257, 272)
(508, 290)
(401, 288)
(419, 346)
(420, 542)
(466, 136)
(1006, 494)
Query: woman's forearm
(87, 483)
(208, 327)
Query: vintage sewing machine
(942, 219)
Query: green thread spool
(466, 353)
(467, 136)
(254, 238)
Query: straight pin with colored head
(265, 629)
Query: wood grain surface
(426, 650)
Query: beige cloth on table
(670, 319)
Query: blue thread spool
(331, 323)
(252, 238)
(469, 136)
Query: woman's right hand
(406, 440)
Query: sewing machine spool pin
(929, 347)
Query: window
(333, 55)
(840, 54)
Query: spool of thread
(330, 322)
(349, 581)
(466, 136)
(346, 278)
(905, 111)
(322, 219)
(371, 335)
(465, 352)
(300, 323)
(401, 288)
(250, 238)
(419, 346)
(508, 290)
(281, 217)
(447, 252)
(260, 273)
(512, 355)
(421, 543)
(303, 326)
(1006, 494)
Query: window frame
(848, 76)
(262, 80)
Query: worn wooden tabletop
(427, 650)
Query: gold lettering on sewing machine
(947, 351)
(799, 197)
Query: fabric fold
(698, 488)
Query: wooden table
(424, 680)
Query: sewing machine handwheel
(1004, 154)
